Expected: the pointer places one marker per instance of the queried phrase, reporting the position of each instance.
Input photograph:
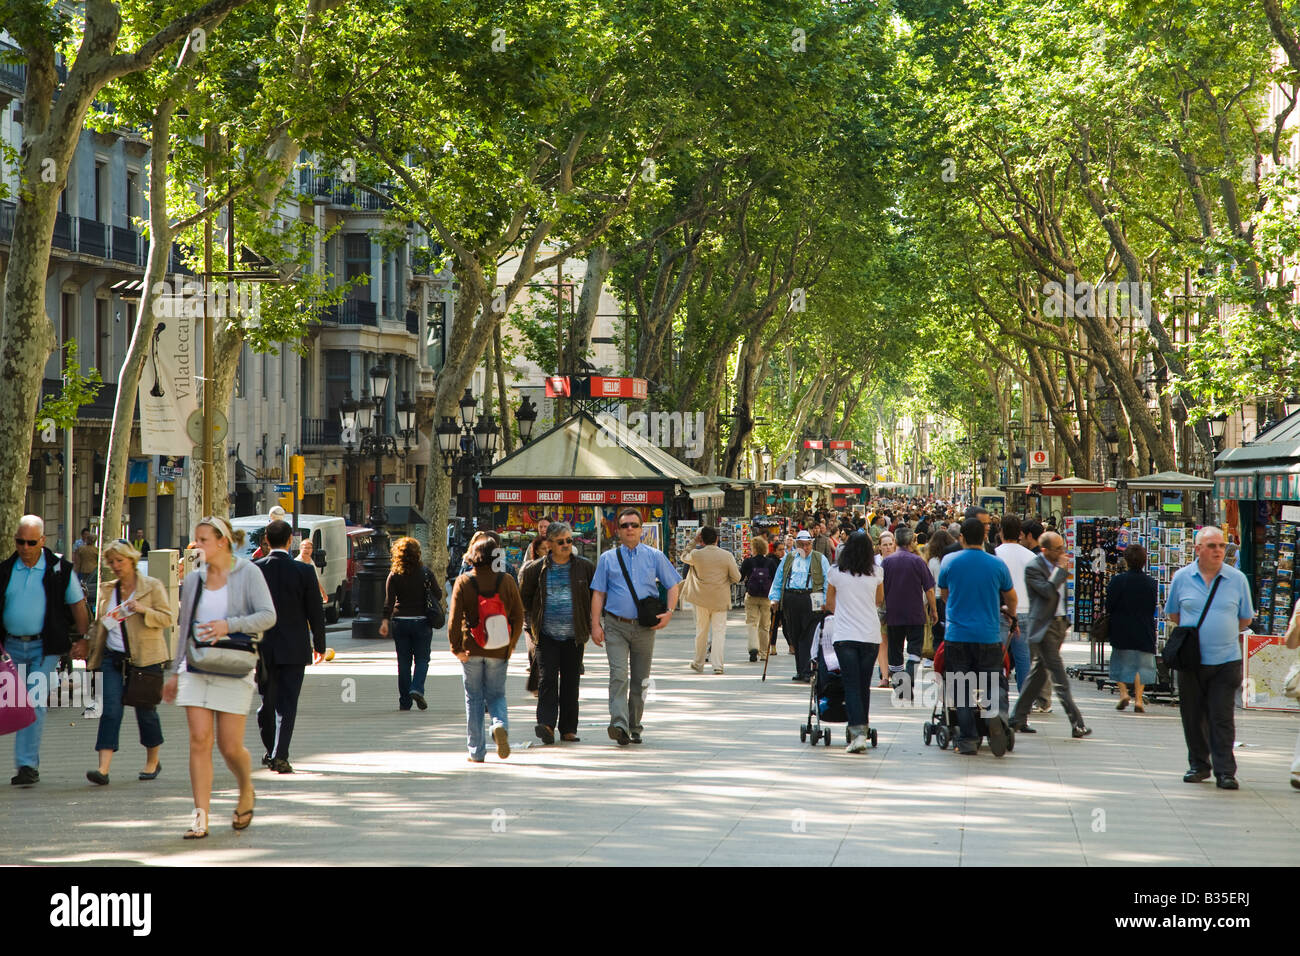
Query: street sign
(1038, 459)
(283, 489)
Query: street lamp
(1218, 424)
(527, 418)
(1112, 448)
(469, 448)
(376, 442)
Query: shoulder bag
(234, 655)
(16, 708)
(142, 685)
(648, 609)
(1183, 648)
(433, 613)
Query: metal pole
(208, 479)
(67, 492)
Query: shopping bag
(16, 710)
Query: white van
(329, 539)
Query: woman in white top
(233, 599)
(851, 597)
(304, 555)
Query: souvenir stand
(1258, 491)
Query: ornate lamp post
(377, 442)
(1112, 449)
(1218, 424)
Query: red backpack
(491, 630)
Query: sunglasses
(30, 544)
(563, 541)
(624, 524)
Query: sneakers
(26, 776)
(1196, 776)
(717, 670)
(1080, 731)
(753, 657)
(1038, 708)
(859, 743)
(503, 741)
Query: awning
(1170, 481)
(1064, 486)
(1267, 483)
(403, 515)
(706, 497)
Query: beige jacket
(715, 571)
(144, 628)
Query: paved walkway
(722, 779)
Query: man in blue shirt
(798, 591)
(1207, 694)
(975, 584)
(34, 634)
(629, 645)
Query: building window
(103, 338)
(356, 262)
(132, 197)
(101, 192)
(435, 337)
(338, 380)
(266, 373)
(239, 372)
(67, 320)
(284, 371)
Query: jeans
(1019, 647)
(29, 655)
(485, 688)
(412, 639)
(856, 660)
(110, 721)
(710, 623)
(1206, 698)
(630, 649)
(557, 691)
(972, 670)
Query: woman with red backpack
(486, 619)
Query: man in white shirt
(1016, 556)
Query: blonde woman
(129, 619)
(227, 595)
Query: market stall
(584, 472)
(845, 487)
(1258, 491)
(1080, 497)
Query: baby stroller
(942, 725)
(826, 689)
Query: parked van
(330, 550)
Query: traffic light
(297, 468)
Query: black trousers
(557, 692)
(971, 673)
(911, 636)
(280, 686)
(1206, 698)
(797, 621)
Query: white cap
(276, 512)
(803, 536)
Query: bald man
(1045, 578)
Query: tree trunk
(599, 262)
(499, 363)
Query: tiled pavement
(722, 779)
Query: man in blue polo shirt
(1207, 694)
(975, 585)
(34, 634)
(629, 645)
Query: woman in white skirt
(234, 599)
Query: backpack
(759, 581)
(491, 630)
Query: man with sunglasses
(630, 645)
(556, 591)
(43, 602)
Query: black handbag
(1100, 632)
(142, 686)
(433, 612)
(1182, 650)
(648, 609)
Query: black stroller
(942, 725)
(826, 690)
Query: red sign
(557, 386)
(812, 443)
(848, 491)
(568, 496)
(841, 444)
(602, 387)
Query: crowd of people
(901, 585)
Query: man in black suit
(286, 649)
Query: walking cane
(771, 642)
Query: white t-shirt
(856, 616)
(1017, 557)
(114, 629)
(214, 606)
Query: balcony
(426, 262)
(63, 232)
(126, 246)
(176, 264)
(320, 431)
(413, 321)
(7, 211)
(13, 76)
(91, 238)
(351, 312)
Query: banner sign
(557, 386)
(841, 444)
(168, 395)
(519, 496)
(848, 491)
(815, 443)
(602, 387)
